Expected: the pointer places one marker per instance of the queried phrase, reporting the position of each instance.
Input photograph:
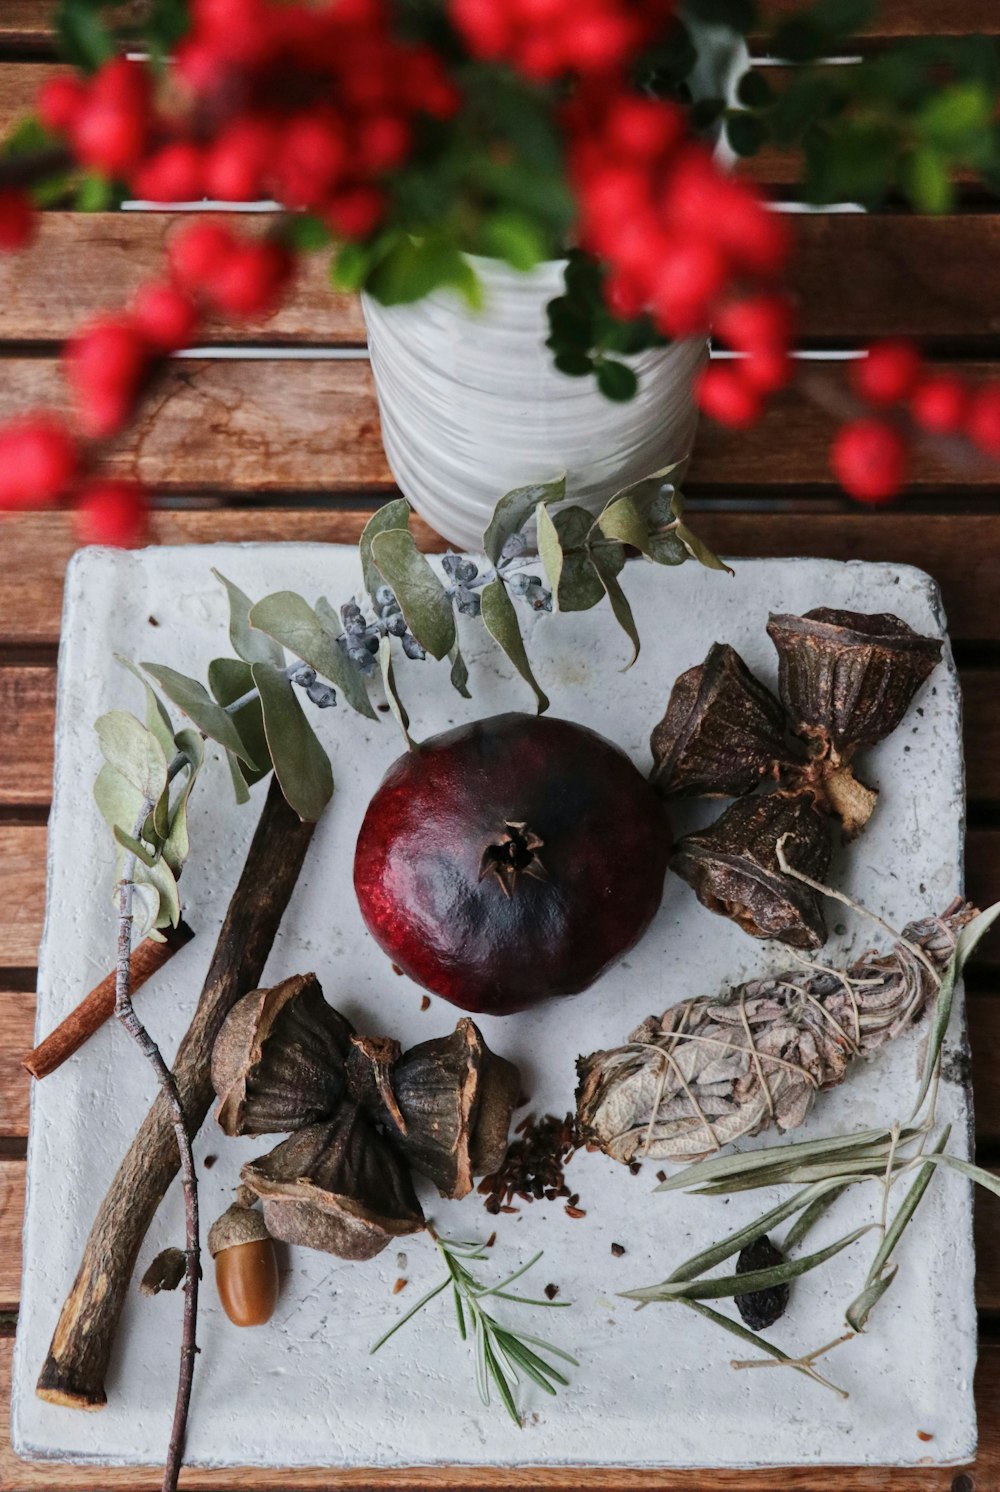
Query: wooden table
(268, 448)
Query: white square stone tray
(653, 1389)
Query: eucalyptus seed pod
(722, 734)
(338, 1187)
(733, 867)
(278, 1061)
(846, 678)
(446, 1105)
(246, 1271)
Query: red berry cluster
(17, 221)
(40, 468)
(684, 241)
(547, 38)
(870, 455)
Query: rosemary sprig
(502, 1355)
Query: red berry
(939, 403)
(18, 221)
(724, 393)
(983, 420)
(59, 102)
(868, 457)
(888, 373)
(38, 462)
(173, 174)
(110, 128)
(644, 127)
(198, 252)
(236, 167)
(623, 297)
(757, 323)
(252, 279)
(312, 156)
(166, 317)
(691, 275)
(355, 213)
(112, 513)
(383, 142)
(768, 369)
(104, 367)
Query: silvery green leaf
(422, 598)
(500, 621)
(157, 719)
(247, 644)
(119, 802)
(966, 943)
(134, 752)
(719, 1252)
(810, 1216)
(974, 1173)
(301, 765)
(134, 846)
(866, 1142)
(389, 683)
(394, 515)
(861, 1306)
(858, 1311)
(563, 546)
(229, 679)
(515, 508)
(350, 681)
(604, 564)
(177, 844)
(645, 516)
(161, 878)
(240, 789)
(145, 911)
(719, 1287)
(459, 672)
(700, 550)
(209, 716)
(312, 636)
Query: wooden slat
(926, 277)
(264, 426)
(984, 1039)
(27, 704)
(11, 1221)
(896, 18)
(961, 550)
(17, 1028)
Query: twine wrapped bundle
(714, 1069)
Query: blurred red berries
(868, 457)
(17, 221)
(939, 402)
(166, 317)
(38, 462)
(983, 421)
(112, 513)
(726, 395)
(888, 373)
(104, 366)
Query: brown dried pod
(723, 731)
(449, 1107)
(338, 1187)
(733, 867)
(278, 1061)
(846, 678)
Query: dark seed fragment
(618, 1249)
(661, 1176)
(551, 1291)
(425, 1003)
(761, 1308)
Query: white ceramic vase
(471, 405)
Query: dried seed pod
(846, 678)
(723, 731)
(278, 1061)
(448, 1106)
(761, 1308)
(733, 867)
(246, 1270)
(338, 1187)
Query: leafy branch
(502, 1354)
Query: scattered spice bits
(924, 1435)
(209, 1161)
(761, 1308)
(551, 1291)
(661, 1176)
(533, 1168)
(425, 1003)
(572, 1211)
(400, 1284)
(491, 1240)
(618, 1249)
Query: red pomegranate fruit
(510, 860)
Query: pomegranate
(509, 860)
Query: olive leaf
(718, 1287)
(251, 646)
(459, 672)
(209, 716)
(350, 681)
(563, 544)
(133, 751)
(426, 608)
(177, 844)
(389, 682)
(301, 765)
(157, 719)
(312, 636)
(644, 516)
(515, 508)
(394, 515)
(608, 566)
(500, 621)
(229, 679)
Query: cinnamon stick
(74, 1370)
(99, 1006)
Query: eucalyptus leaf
(241, 788)
(312, 636)
(389, 682)
(207, 714)
(250, 645)
(230, 679)
(500, 621)
(134, 846)
(422, 598)
(645, 515)
(133, 751)
(700, 550)
(459, 672)
(515, 508)
(145, 910)
(563, 543)
(157, 719)
(301, 765)
(350, 680)
(177, 844)
(604, 564)
(119, 802)
(161, 877)
(394, 515)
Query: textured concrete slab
(653, 1389)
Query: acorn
(246, 1270)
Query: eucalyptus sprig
(502, 1354)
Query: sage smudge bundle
(714, 1069)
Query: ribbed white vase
(471, 405)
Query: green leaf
(241, 789)
(134, 846)
(968, 940)
(209, 716)
(861, 1306)
(925, 176)
(643, 515)
(700, 551)
(564, 549)
(721, 1286)
(616, 380)
(573, 363)
(394, 515)
(157, 719)
(391, 693)
(84, 39)
(500, 621)
(250, 645)
(118, 801)
(459, 672)
(177, 844)
(741, 1163)
(349, 267)
(414, 268)
(745, 132)
(607, 568)
(301, 765)
(133, 751)
(515, 238)
(229, 679)
(421, 596)
(306, 234)
(95, 193)
(973, 1173)
(954, 119)
(162, 878)
(312, 636)
(718, 1253)
(514, 510)
(350, 680)
(145, 910)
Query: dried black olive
(761, 1308)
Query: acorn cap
(236, 1226)
(337, 1187)
(278, 1060)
